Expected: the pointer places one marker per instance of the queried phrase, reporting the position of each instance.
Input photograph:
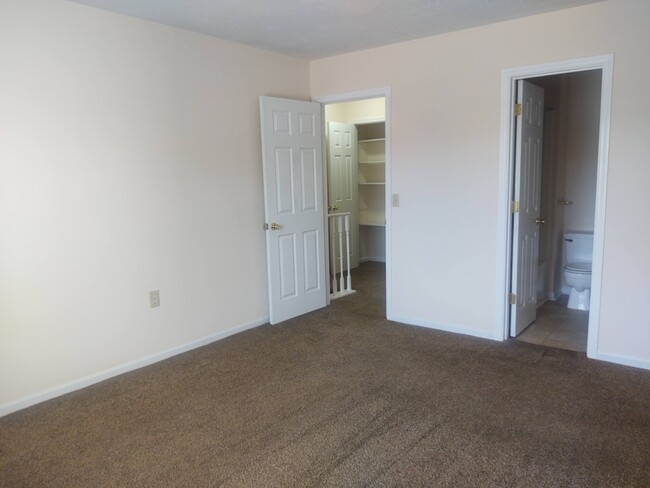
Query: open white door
(343, 174)
(527, 194)
(293, 203)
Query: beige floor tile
(558, 326)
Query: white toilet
(578, 249)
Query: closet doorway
(566, 194)
(357, 174)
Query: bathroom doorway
(570, 191)
(567, 202)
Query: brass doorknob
(333, 208)
(539, 220)
(275, 226)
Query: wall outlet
(154, 298)
(395, 199)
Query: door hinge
(512, 299)
(518, 109)
(515, 206)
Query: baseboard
(378, 259)
(622, 360)
(80, 383)
(444, 327)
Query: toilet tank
(579, 247)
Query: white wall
(445, 99)
(357, 111)
(129, 161)
(581, 157)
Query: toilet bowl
(578, 277)
(577, 272)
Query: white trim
(353, 96)
(456, 329)
(601, 197)
(364, 95)
(324, 169)
(504, 237)
(367, 121)
(624, 360)
(91, 379)
(377, 259)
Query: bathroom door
(527, 196)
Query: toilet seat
(578, 268)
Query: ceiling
(314, 29)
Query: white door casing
(527, 192)
(294, 206)
(342, 179)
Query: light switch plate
(154, 298)
(395, 199)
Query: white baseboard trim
(611, 358)
(378, 259)
(482, 334)
(80, 383)
(622, 360)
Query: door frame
(509, 78)
(353, 97)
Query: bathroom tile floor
(558, 326)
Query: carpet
(342, 397)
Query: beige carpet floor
(341, 397)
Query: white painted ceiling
(314, 29)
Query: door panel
(284, 184)
(293, 201)
(343, 174)
(311, 250)
(309, 179)
(288, 278)
(528, 174)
